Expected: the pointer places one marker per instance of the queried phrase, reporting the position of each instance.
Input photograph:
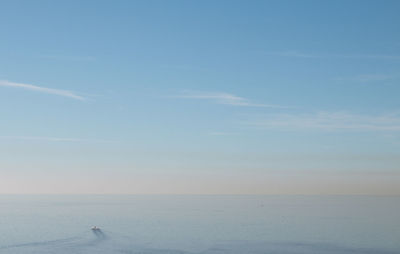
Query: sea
(199, 224)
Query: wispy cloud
(51, 139)
(369, 78)
(222, 133)
(59, 92)
(225, 98)
(297, 54)
(68, 57)
(329, 121)
(293, 54)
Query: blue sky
(260, 97)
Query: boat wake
(44, 243)
(80, 244)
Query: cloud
(68, 57)
(221, 133)
(369, 78)
(225, 98)
(293, 54)
(297, 54)
(64, 93)
(329, 121)
(51, 139)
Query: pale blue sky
(274, 97)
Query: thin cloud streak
(369, 78)
(297, 54)
(293, 54)
(68, 57)
(328, 121)
(221, 133)
(59, 92)
(51, 139)
(226, 99)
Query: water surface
(199, 224)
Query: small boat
(95, 228)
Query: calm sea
(199, 224)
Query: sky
(200, 97)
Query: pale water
(199, 224)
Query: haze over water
(199, 224)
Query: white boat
(95, 228)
